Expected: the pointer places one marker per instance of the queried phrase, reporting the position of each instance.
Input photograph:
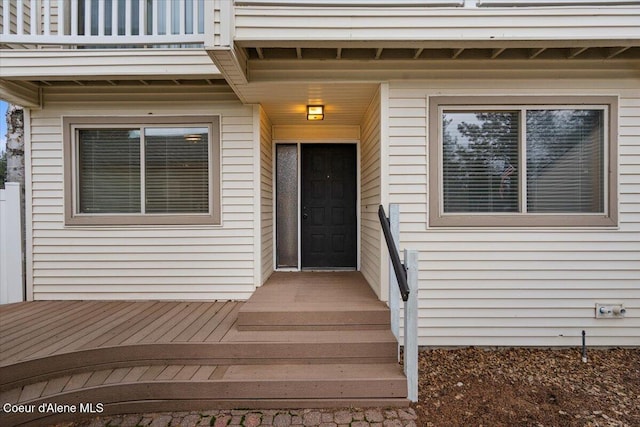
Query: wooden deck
(302, 340)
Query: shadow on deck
(302, 340)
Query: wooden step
(302, 340)
(314, 301)
(317, 347)
(235, 386)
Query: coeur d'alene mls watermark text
(53, 408)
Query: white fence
(11, 256)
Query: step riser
(223, 389)
(282, 328)
(292, 320)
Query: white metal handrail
(103, 22)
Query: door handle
(304, 213)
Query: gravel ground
(529, 387)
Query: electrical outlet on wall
(610, 311)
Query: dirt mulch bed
(529, 387)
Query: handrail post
(394, 292)
(411, 325)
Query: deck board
(108, 337)
(179, 327)
(98, 378)
(18, 329)
(106, 324)
(10, 396)
(77, 381)
(218, 373)
(90, 329)
(208, 328)
(198, 323)
(162, 323)
(124, 335)
(152, 373)
(223, 327)
(63, 326)
(32, 391)
(167, 330)
(26, 310)
(187, 372)
(13, 329)
(117, 375)
(169, 372)
(56, 385)
(203, 373)
(49, 334)
(134, 374)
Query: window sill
(529, 221)
(141, 220)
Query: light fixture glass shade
(315, 112)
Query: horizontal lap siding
(420, 23)
(518, 287)
(191, 262)
(370, 194)
(266, 191)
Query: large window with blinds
(142, 171)
(523, 162)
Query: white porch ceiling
(285, 103)
(285, 76)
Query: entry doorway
(319, 230)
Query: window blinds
(564, 151)
(177, 171)
(175, 166)
(480, 161)
(109, 170)
(565, 158)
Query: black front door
(329, 225)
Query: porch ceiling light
(315, 112)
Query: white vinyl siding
(87, 63)
(426, 23)
(517, 287)
(370, 197)
(175, 262)
(266, 195)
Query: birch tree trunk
(15, 168)
(15, 144)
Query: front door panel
(329, 225)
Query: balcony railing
(89, 23)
